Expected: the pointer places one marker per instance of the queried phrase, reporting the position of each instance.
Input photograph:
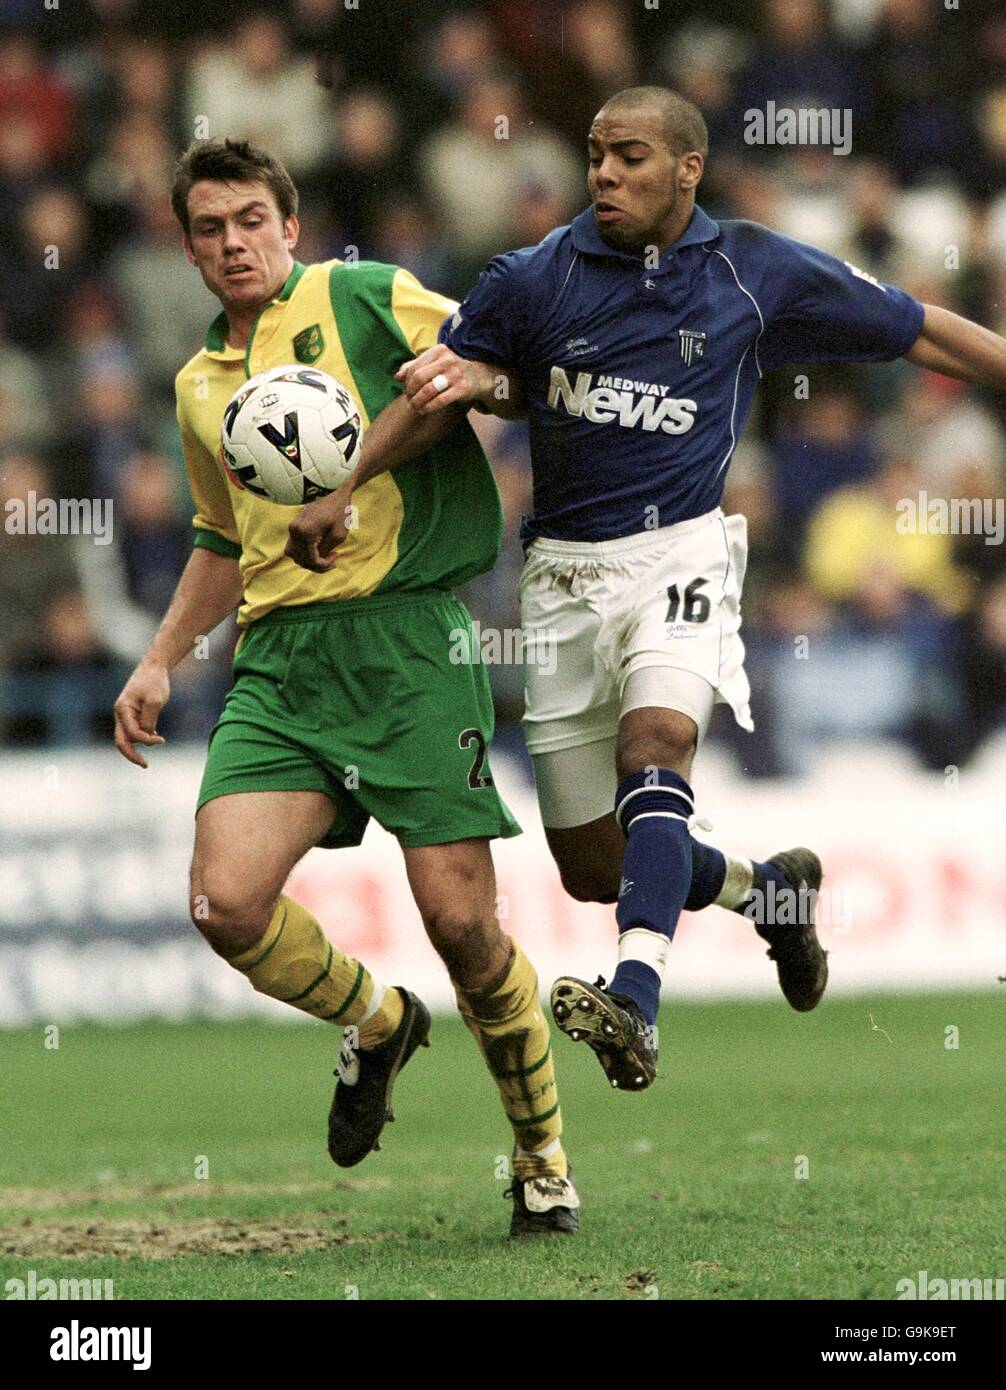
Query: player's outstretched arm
(394, 437)
(209, 589)
(957, 347)
(404, 429)
(438, 378)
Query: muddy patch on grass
(45, 1198)
(151, 1240)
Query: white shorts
(649, 620)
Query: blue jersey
(639, 379)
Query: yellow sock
(295, 962)
(509, 1026)
(377, 1027)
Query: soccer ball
(291, 434)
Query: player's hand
(143, 697)
(318, 529)
(466, 381)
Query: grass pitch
(689, 1190)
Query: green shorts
(373, 701)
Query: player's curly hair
(230, 161)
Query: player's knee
(671, 747)
(231, 916)
(471, 950)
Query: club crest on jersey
(309, 344)
(692, 345)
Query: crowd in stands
(433, 136)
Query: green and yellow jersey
(432, 523)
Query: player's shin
(296, 963)
(653, 809)
(507, 1022)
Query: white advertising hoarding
(93, 888)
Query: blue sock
(640, 982)
(758, 905)
(709, 870)
(652, 808)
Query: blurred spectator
(814, 203)
(33, 93)
(94, 337)
(977, 281)
(54, 667)
(598, 58)
(145, 80)
(883, 669)
(750, 190)
(786, 613)
(600, 46)
(871, 240)
(943, 429)
(126, 76)
(316, 34)
(322, 235)
(799, 63)
(990, 151)
(365, 42)
(931, 220)
(22, 168)
(26, 415)
(50, 258)
(701, 62)
(368, 166)
(478, 168)
(149, 273)
(824, 444)
(155, 539)
(252, 87)
(980, 553)
(398, 154)
(539, 211)
(463, 47)
(126, 589)
(134, 168)
(107, 427)
(35, 572)
(860, 533)
(404, 234)
(918, 76)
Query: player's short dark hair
(684, 126)
(230, 161)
